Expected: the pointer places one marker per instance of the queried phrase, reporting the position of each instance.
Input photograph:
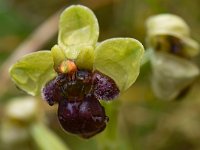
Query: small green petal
(32, 71)
(120, 59)
(85, 58)
(78, 27)
(58, 55)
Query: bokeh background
(138, 121)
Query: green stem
(46, 139)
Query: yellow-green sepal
(78, 28)
(32, 71)
(119, 58)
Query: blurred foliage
(138, 120)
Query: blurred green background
(138, 121)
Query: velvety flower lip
(104, 87)
(85, 118)
(82, 83)
(50, 94)
(64, 86)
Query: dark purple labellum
(68, 86)
(52, 92)
(85, 118)
(76, 85)
(104, 87)
(171, 45)
(176, 46)
(77, 94)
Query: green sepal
(78, 27)
(119, 58)
(32, 71)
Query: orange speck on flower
(71, 66)
(67, 66)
